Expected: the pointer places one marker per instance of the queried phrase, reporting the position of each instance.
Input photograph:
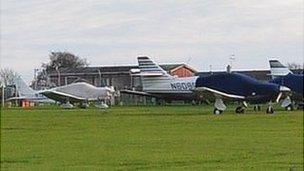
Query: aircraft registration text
(183, 86)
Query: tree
(40, 80)
(57, 60)
(7, 76)
(64, 60)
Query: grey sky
(201, 33)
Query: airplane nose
(110, 90)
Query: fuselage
(170, 87)
(240, 85)
(77, 92)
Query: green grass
(150, 138)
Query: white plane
(24, 92)
(156, 82)
(67, 95)
(79, 93)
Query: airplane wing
(34, 99)
(62, 97)
(136, 93)
(209, 93)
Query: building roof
(169, 67)
(106, 70)
(183, 65)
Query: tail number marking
(182, 86)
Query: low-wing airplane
(67, 95)
(238, 87)
(24, 92)
(283, 76)
(80, 92)
(156, 82)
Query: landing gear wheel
(217, 111)
(269, 110)
(240, 109)
(289, 107)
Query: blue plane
(238, 87)
(283, 76)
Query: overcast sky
(200, 33)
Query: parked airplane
(73, 93)
(238, 87)
(24, 92)
(156, 82)
(79, 93)
(283, 76)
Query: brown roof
(186, 66)
(169, 67)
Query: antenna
(231, 60)
(210, 68)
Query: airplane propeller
(110, 90)
(279, 97)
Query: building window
(105, 82)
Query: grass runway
(150, 138)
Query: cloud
(169, 31)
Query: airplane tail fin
(22, 88)
(152, 75)
(149, 68)
(278, 69)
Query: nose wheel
(269, 110)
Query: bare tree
(7, 76)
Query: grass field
(150, 138)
